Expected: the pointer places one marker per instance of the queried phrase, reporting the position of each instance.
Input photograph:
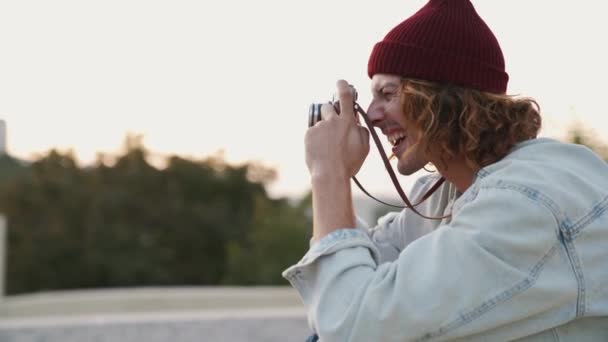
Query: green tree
(280, 237)
(124, 222)
(39, 232)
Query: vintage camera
(314, 112)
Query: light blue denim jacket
(524, 256)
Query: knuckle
(344, 91)
(308, 134)
(341, 82)
(327, 110)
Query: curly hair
(456, 121)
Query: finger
(328, 111)
(345, 95)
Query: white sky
(196, 77)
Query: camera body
(314, 112)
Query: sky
(236, 77)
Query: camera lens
(314, 111)
(314, 114)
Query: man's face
(385, 112)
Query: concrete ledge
(155, 314)
(144, 329)
(147, 299)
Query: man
(521, 246)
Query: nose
(375, 113)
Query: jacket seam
(555, 335)
(568, 237)
(532, 194)
(537, 197)
(575, 264)
(567, 232)
(469, 316)
(592, 215)
(572, 233)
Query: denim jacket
(523, 256)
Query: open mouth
(396, 138)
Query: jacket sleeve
(456, 281)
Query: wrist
(332, 203)
(324, 177)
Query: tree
(124, 222)
(581, 135)
(279, 237)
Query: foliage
(127, 223)
(579, 134)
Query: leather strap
(391, 173)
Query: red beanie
(446, 42)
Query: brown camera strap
(391, 173)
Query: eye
(388, 91)
(388, 94)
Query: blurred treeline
(126, 223)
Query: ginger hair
(456, 121)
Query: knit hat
(446, 42)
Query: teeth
(393, 138)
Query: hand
(337, 145)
